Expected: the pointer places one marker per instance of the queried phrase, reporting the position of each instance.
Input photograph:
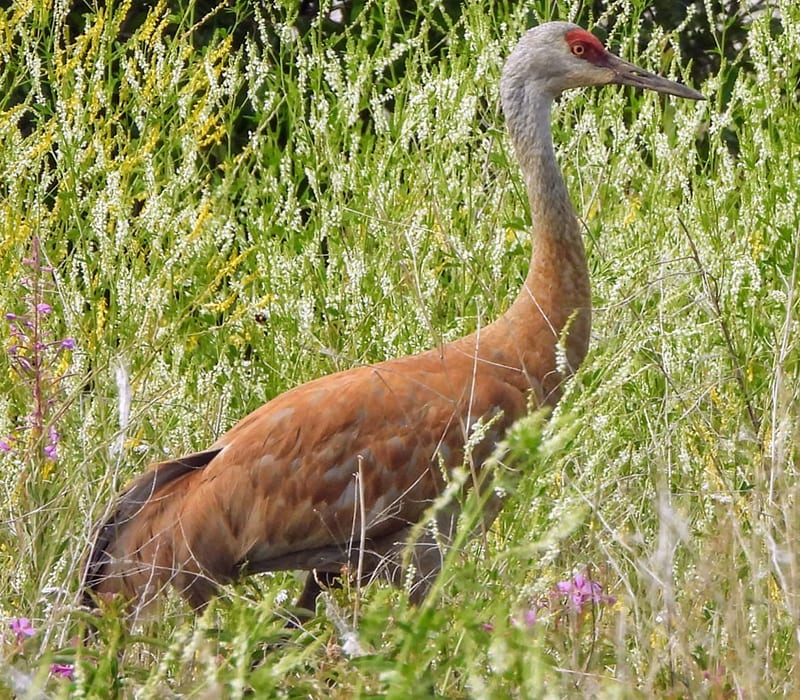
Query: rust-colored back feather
(330, 474)
(129, 504)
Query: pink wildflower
(51, 449)
(581, 590)
(22, 627)
(63, 670)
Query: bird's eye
(578, 49)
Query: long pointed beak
(628, 74)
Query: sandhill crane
(336, 472)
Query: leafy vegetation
(195, 218)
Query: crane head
(557, 56)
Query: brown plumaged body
(337, 471)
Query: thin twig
(362, 536)
(712, 290)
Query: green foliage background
(236, 198)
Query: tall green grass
(226, 219)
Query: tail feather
(141, 491)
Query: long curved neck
(556, 294)
(555, 225)
(529, 127)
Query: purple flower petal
(5, 446)
(62, 670)
(580, 592)
(68, 343)
(22, 627)
(44, 308)
(530, 617)
(11, 317)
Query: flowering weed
(40, 362)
